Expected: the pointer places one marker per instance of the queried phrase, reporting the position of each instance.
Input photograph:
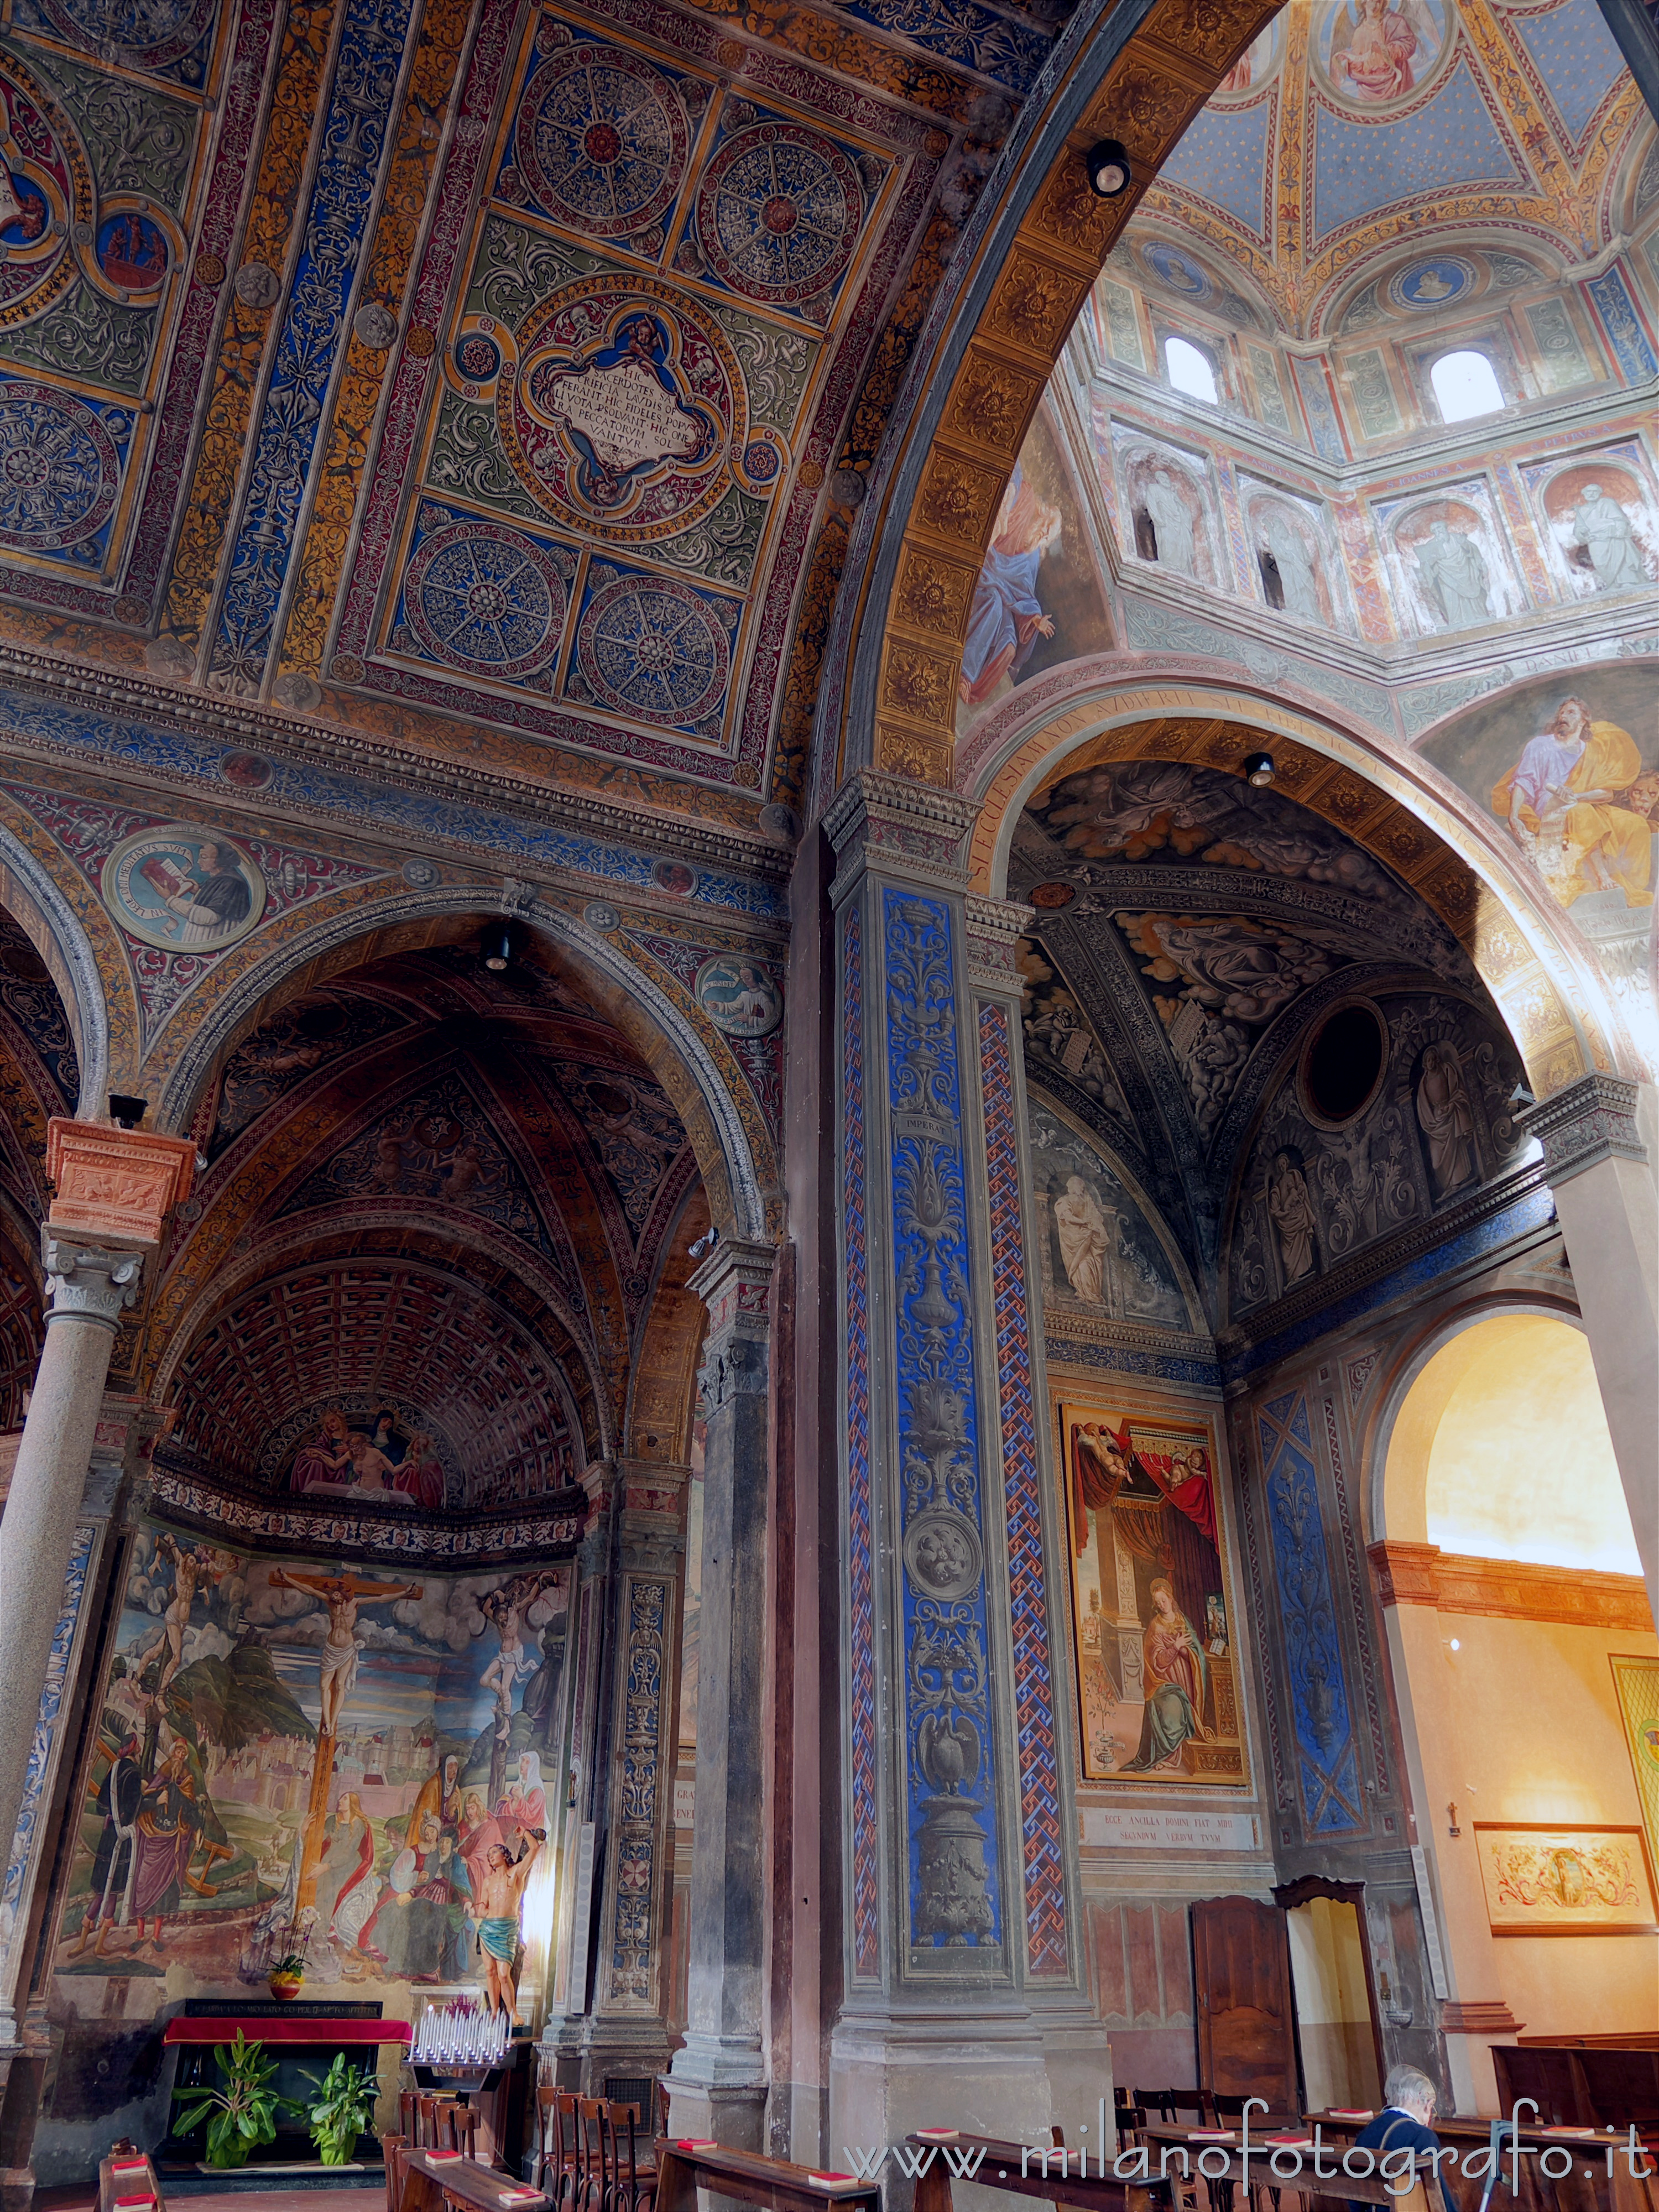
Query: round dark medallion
(1344, 1062)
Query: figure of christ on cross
(500, 1900)
(341, 1594)
(336, 1672)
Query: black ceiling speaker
(127, 1113)
(1259, 770)
(1109, 168)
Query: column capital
(908, 829)
(1591, 1121)
(88, 1283)
(115, 1187)
(992, 932)
(734, 1282)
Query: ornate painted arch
(31, 893)
(666, 1036)
(1556, 1004)
(1038, 239)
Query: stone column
(114, 1188)
(718, 2079)
(1599, 1139)
(963, 1974)
(626, 2033)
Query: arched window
(1465, 384)
(1190, 371)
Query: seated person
(1404, 2123)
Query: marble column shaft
(1600, 1143)
(90, 1288)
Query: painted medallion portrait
(739, 996)
(1155, 1666)
(183, 889)
(1375, 50)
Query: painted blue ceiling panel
(1573, 51)
(1223, 159)
(1449, 142)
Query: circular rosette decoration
(651, 648)
(483, 598)
(619, 409)
(779, 210)
(146, 34)
(46, 194)
(601, 140)
(59, 470)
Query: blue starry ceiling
(1449, 144)
(1573, 54)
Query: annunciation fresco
(1150, 1599)
(211, 1833)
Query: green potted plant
(343, 2107)
(240, 2114)
(286, 1975)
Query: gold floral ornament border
(1163, 76)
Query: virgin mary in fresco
(1177, 1684)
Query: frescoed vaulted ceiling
(1347, 132)
(464, 375)
(436, 1194)
(1189, 932)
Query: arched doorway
(1513, 1595)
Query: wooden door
(1246, 2024)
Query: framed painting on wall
(1544, 1880)
(1636, 1679)
(1151, 1604)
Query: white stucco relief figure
(1173, 524)
(1601, 527)
(1281, 538)
(1455, 577)
(1085, 1239)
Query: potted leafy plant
(343, 2107)
(286, 1975)
(240, 2114)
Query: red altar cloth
(277, 2030)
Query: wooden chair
(589, 2193)
(1173, 2107)
(630, 2180)
(458, 2127)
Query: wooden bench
(432, 2182)
(684, 2167)
(128, 2171)
(1028, 2170)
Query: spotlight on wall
(126, 1113)
(1259, 770)
(1109, 169)
(706, 1243)
(497, 947)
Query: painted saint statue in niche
(1571, 802)
(1155, 1670)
